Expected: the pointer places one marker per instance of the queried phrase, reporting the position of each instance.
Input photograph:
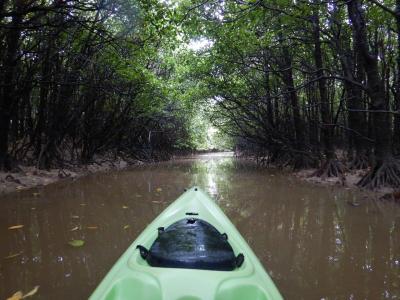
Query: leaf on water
(75, 228)
(17, 296)
(76, 243)
(138, 196)
(20, 187)
(92, 227)
(157, 202)
(35, 194)
(159, 190)
(127, 226)
(75, 217)
(13, 255)
(125, 207)
(83, 204)
(15, 227)
(31, 293)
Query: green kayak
(191, 251)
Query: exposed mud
(28, 176)
(350, 181)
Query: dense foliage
(80, 78)
(292, 82)
(296, 81)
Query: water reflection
(312, 242)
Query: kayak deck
(133, 278)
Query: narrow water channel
(311, 241)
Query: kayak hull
(132, 278)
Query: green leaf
(76, 243)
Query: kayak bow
(219, 266)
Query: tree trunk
(357, 123)
(331, 166)
(301, 158)
(396, 131)
(7, 98)
(386, 170)
(326, 129)
(43, 95)
(267, 95)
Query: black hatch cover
(191, 243)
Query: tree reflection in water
(310, 240)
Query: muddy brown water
(311, 241)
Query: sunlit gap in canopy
(199, 44)
(170, 3)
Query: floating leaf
(13, 255)
(125, 207)
(157, 202)
(75, 228)
(20, 187)
(83, 204)
(75, 217)
(31, 293)
(138, 196)
(92, 227)
(76, 243)
(127, 226)
(15, 227)
(159, 190)
(17, 296)
(35, 194)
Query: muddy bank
(26, 177)
(29, 176)
(349, 181)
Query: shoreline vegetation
(29, 177)
(79, 80)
